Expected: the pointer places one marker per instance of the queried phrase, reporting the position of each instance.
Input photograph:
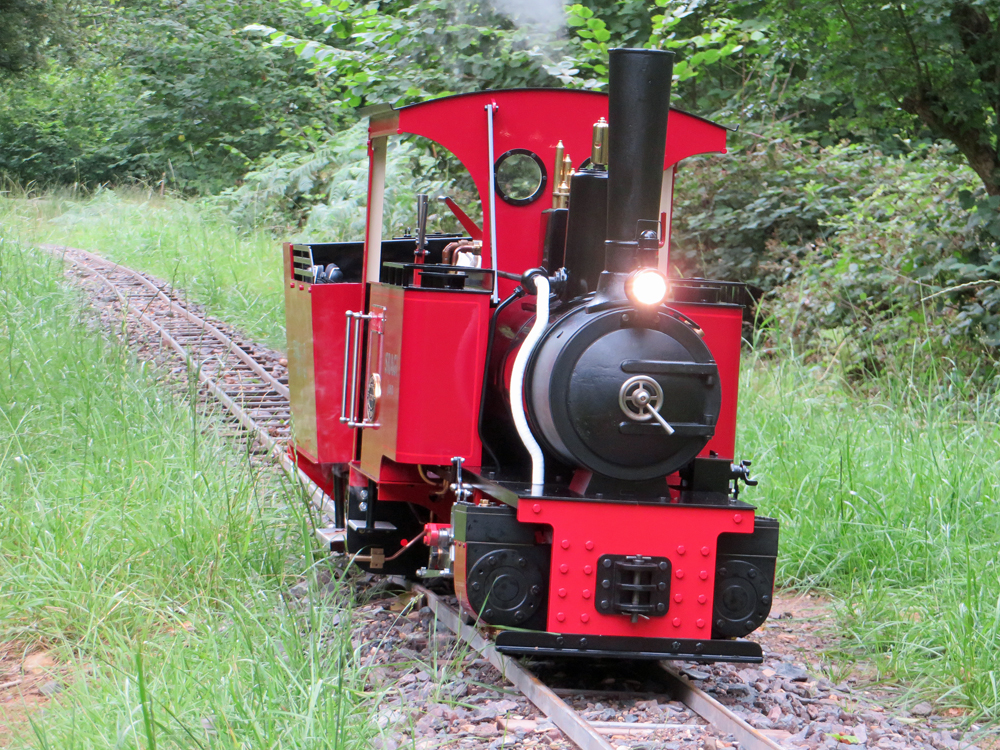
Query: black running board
(524, 643)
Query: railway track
(245, 378)
(248, 381)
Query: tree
(28, 27)
(935, 60)
(209, 100)
(374, 51)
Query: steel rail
(715, 713)
(276, 449)
(587, 735)
(245, 358)
(584, 733)
(555, 708)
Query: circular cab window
(520, 176)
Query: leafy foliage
(385, 51)
(63, 126)
(324, 190)
(938, 61)
(211, 101)
(29, 28)
(168, 93)
(699, 38)
(849, 243)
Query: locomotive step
(355, 524)
(332, 538)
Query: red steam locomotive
(534, 408)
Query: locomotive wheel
(504, 588)
(742, 599)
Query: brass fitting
(564, 170)
(557, 195)
(599, 147)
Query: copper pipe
(368, 558)
(441, 489)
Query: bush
(66, 126)
(849, 244)
(319, 193)
(174, 93)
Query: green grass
(889, 502)
(235, 275)
(888, 495)
(146, 554)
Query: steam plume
(548, 14)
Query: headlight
(646, 286)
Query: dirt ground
(28, 680)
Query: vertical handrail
(347, 354)
(493, 205)
(354, 369)
(352, 356)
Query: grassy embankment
(198, 251)
(888, 501)
(144, 554)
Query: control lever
(460, 488)
(741, 473)
(663, 423)
(421, 250)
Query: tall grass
(888, 495)
(235, 275)
(890, 502)
(146, 554)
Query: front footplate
(522, 643)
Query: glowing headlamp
(646, 286)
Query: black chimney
(639, 102)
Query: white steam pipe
(517, 384)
